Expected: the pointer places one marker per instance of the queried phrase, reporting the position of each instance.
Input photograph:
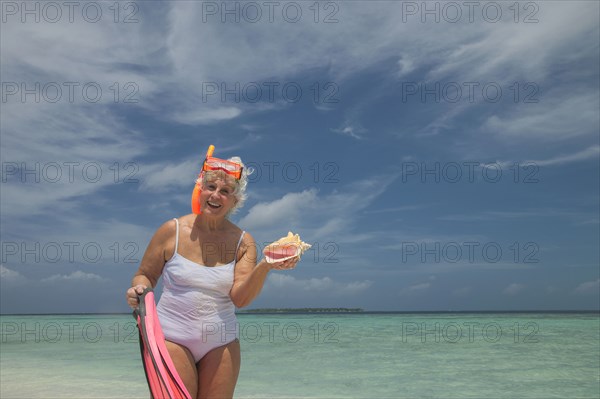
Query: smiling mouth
(213, 205)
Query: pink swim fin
(163, 379)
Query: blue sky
(444, 158)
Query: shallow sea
(417, 355)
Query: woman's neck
(207, 223)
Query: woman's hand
(249, 276)
(285, 265)
(132, 295)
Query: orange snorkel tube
(198, 187)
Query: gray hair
(239, 190)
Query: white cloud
(74, 129)
(589, 153)
(210, 52)
(415, 289)
(503, 50)
(205, 116)
(399, 208)
(593, 220)
(60, 132)
(169, 56)
(588, 287)
(331, 227)
(73, 123)
(163, 177)
(513, 289)
(352, 131)
(508, 215)
(418, 287)
(76, 276)
(282, 283)
(24, 199)
(10, 276)
(501, 53)
(555, 119)
(327, 218)
(405, 66)
(285, 210)
(74, 240)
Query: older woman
(209, 267)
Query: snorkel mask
(211, 163)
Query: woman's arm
(152, 262)
(249, 277)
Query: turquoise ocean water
(466, 355)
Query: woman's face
(217, 197)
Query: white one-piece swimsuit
(195, 309)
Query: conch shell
(285, 248)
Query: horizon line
(290, 310)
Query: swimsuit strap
(177, 238)
(238, 245)
(176, 234)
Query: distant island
(302, 310)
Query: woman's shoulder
(167, 229)
(169, 224)
(239, 231)
(164, 236)
(247, 239)
(183, 220)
